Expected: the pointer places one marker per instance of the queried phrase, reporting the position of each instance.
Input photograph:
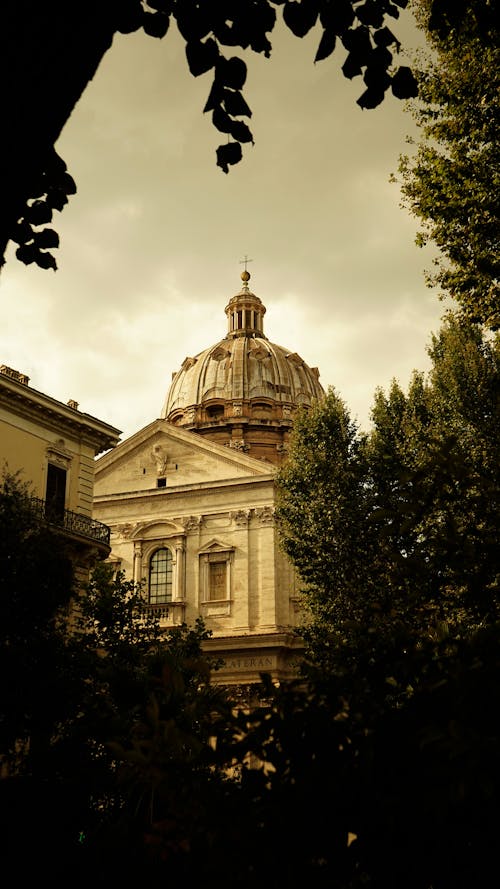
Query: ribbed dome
(244, 390)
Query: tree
(36, 587)
(397, 529)
(451, 182)
(324, 502)
(49, 54)
(81, 703)
(440, 446)
(42, 683)
(402, 651)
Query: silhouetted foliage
(50, 53)
(74, 694)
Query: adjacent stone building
(53, 447)
(190, 498)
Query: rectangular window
(55, 492)
(217, 580)
(161, 482)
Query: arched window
(160, 577)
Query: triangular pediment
(215, 546)
(161, 456)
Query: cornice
(20, 399)
(190, 491)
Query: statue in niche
(159, 456)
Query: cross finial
(245, 260)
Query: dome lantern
(245, 312)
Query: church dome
(243, 392)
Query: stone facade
(214, 513)
(190, 498)
(53, 447)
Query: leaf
(130, 16)
(326, 46)
(38, 213)
(370, 13)
(201, 57)
(300, 17)
(370, 98)
(385, 37)
(194, 20)
(337, 17)
(215, 97)
(67, 183)
(235, 104)
(228, 155)
(56, 198)
(231, 72)
(156, 24)
(357, 40)
(221, 120)
(26, 253)
(382, 57)
(22, 232)
(240, 131)
(46, 238)
(45, 260)
(377, 78)
(404, 85)
(351, 67)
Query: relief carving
(265, 515)
(122, 530)
(241, 517)
(192, 522)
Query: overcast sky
(152, 243)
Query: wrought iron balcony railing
(70, 521)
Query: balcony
(71, 522)
(168, 614)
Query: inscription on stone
(244, 663)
